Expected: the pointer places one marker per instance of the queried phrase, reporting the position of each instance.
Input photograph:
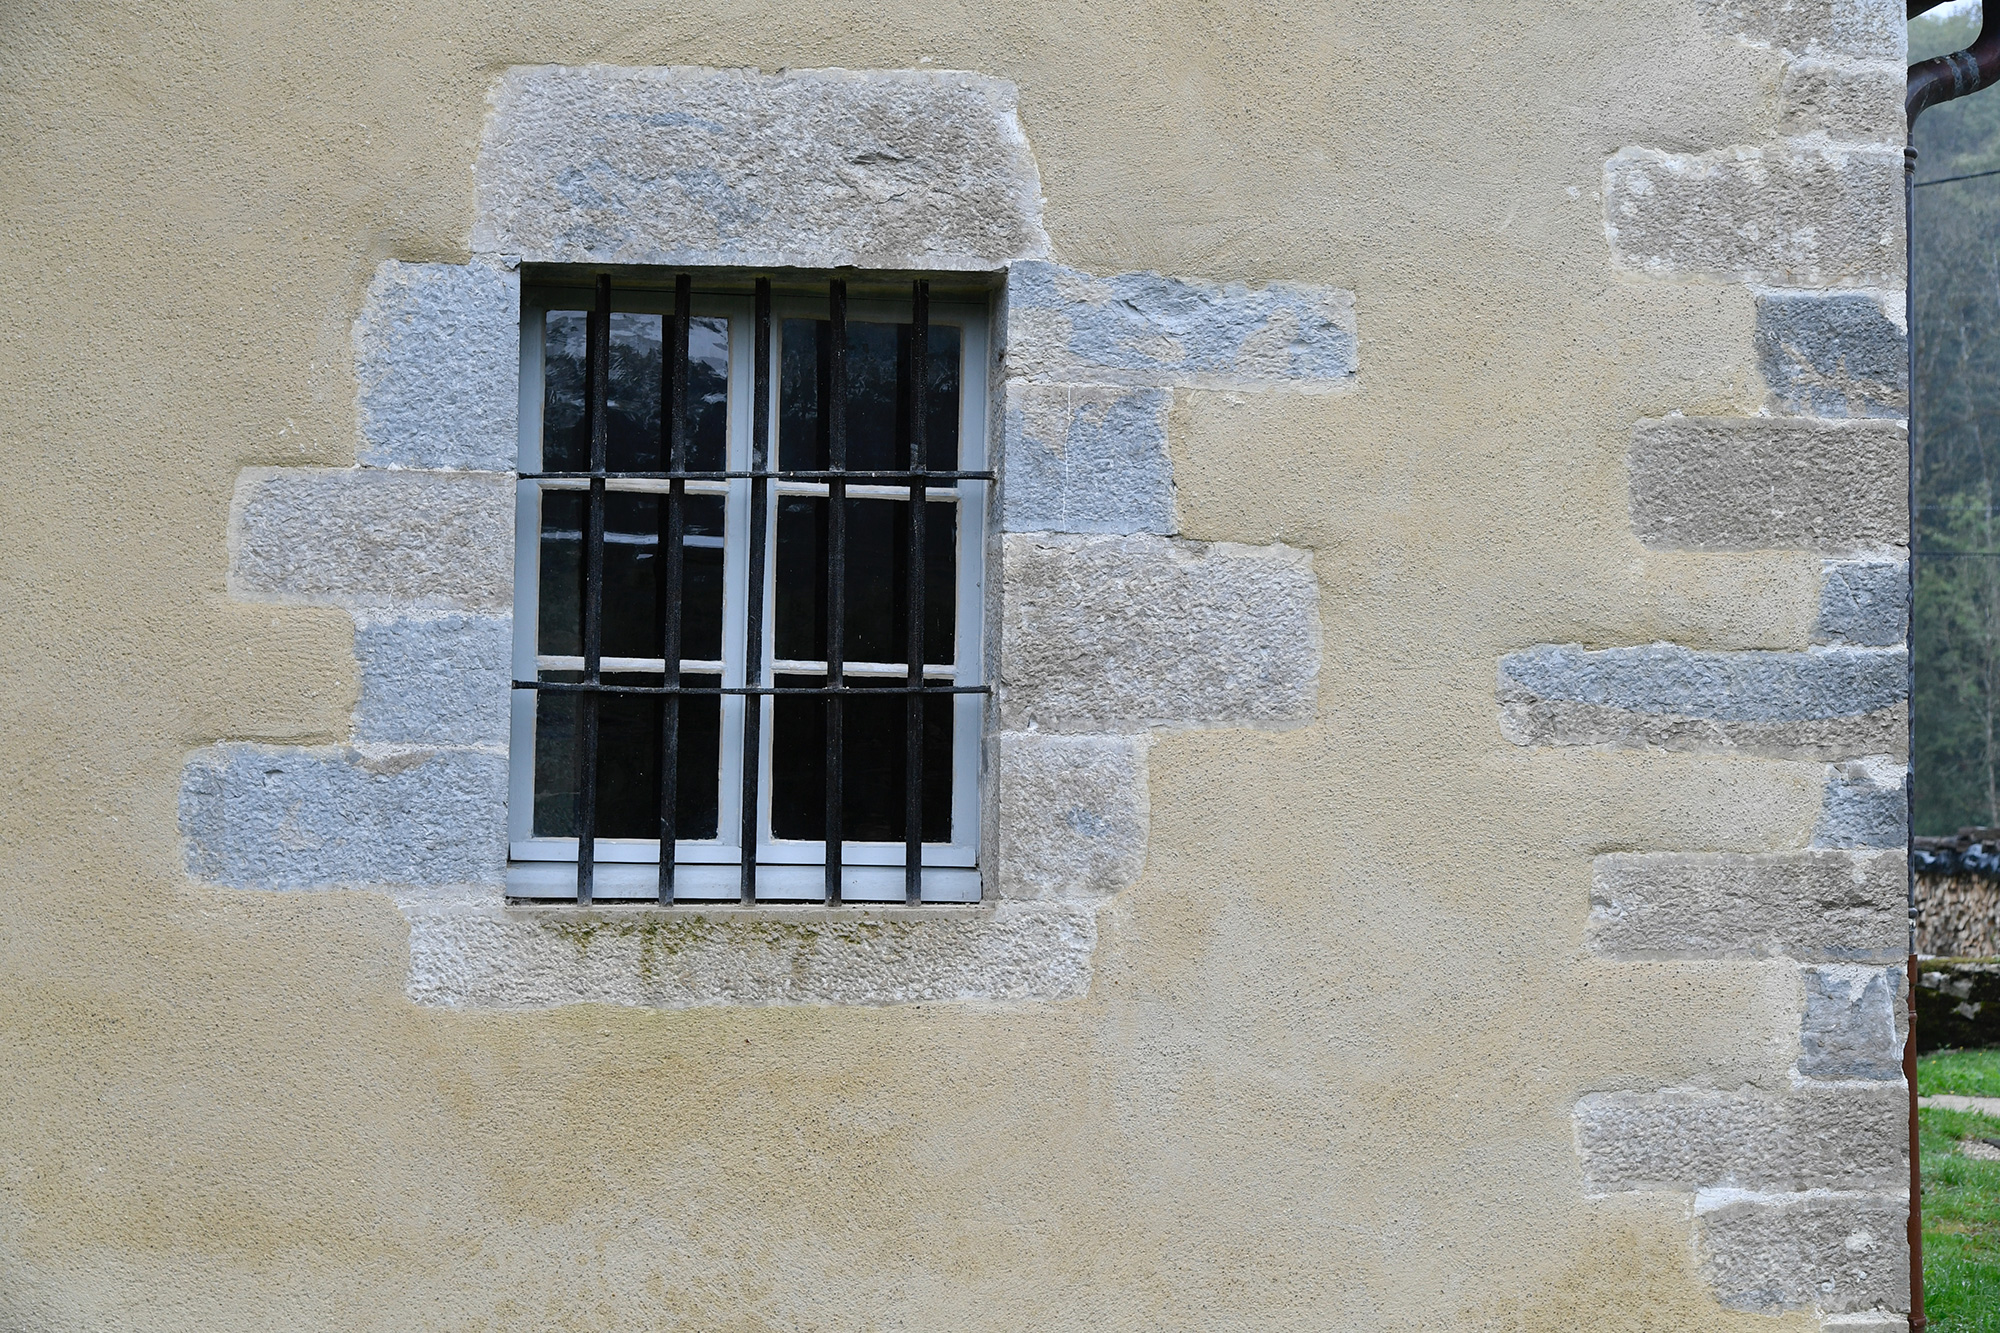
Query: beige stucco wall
(1324, 1074)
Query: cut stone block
(437, 353)
(1852, 101)
(267, 817)
(1790, 215)
(1816, 906)
(1864, 602)
(1086, 458)
(830, 168)
(1867, 1321)
(1689, 1139)
(1140, 328)
(1832, 354)
(1830, 1251)
(477, 954)
(373, 539)
(1865, 29)
(1074, 814)
(1740, 483)
(1864, 806)
(1850, 1029)
(1111, 634)
(1822, 703)
(438, 681)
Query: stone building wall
(1503, 445)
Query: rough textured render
(891, 169)
(1143, 329)
(1088, 458)
(1109, 634)
(1790, 215)
(1833, 1251)
(437, 354)
(269, 817)
(1817, 906)
(1863, 602)
(1850, 1029)
(1822, 703)
(1073, 814)
(1832, 354)
(1736, 483)
(440, 680)
(367, 538)
(1865, 806)
(473, 952)
(1863, 29)
(1688, 1139)
(1845, 100)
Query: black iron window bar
(836, 476)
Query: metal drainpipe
(1931, 82)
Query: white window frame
(708, 871)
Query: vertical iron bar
(597, 393)
(673, 430)
(753, 638)
(914, 710)
(833, 403)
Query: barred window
(751, 523)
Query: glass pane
(635, 393)
(874, 772)
(877, 580)
(628, 749)
(632, 613)
(878, 377)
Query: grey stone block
(1865, 29)
(1141, 328)
(475, 954)
(1074, 814)
(1856, 102)
(438, 681)
(1864, 806)
(1864, 602)
(887, 169)
(437, 354)
(1791, 215)
(1086, 458)
(367, 538)
(1109, 634)
(1823, 703)
(1832, 354)
(1739, 483)
(1830, 1251)
(1866, 1321)
(268, 817)
(1688, 1139)
(1849, 1031)
(1816, 906)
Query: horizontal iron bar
(904, 476)
(823, 691)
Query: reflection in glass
(632, 612)
(878, 399)
(635, 393)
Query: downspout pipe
(1941, 79)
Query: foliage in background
(1957, 623)
(1960, 1073)
(1961, 1224)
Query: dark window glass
(878, 400)
(632, 613)
(628, 760)
(634, 438)
(874, 771)
(877, 580)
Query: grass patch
(1961, 1222)
(1960, 1073)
